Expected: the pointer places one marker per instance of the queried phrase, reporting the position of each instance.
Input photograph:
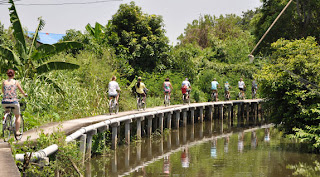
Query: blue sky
(176, 13)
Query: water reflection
(202, 147)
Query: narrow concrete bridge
(145, 121)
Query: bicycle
(240, 96)
(214, 96)
(186, 98)
(8, 123)
(166, 99)
(227, 96)
(113, 106)
(140, 103)
(254, 93)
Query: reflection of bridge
(171, 149)
(146, 122)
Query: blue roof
(47, 38)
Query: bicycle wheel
(144, 105)
(6, 127)
(138, 103)
(117, 108)
(110, 106)
(21, 128)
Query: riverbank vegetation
(133, 43)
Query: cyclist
(241, 86)
(9, 90)
(254, 88)
(113, 86)
(167, 87)
(214, 87)
(227, 87)
(186, 87)
(141, 89)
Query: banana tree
(33, 61)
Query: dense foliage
(291, 83)
(301, 19)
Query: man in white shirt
(241, 86)
(113, 87)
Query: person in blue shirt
(214, 87)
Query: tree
(139, 38)
(301, 19)
(291, 83)
(33, 61)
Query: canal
(206, 149)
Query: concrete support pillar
(192, 115)
(89, 141)
(229, 115)
(201, 113)
(161, 122)
(115, 135)
(169, 142)
(177, 120)
(161, 145)
(127, 157)
(149, 146)
(127, 131)
(221, 112)
(201, 130)
(169, 117)
(139, 120)
(114, 163)
(138, 148)
(209, 114)
(239, 115)
(248, 112)
(184, 117)
(83, 143)
(149, 130)
(184, 135)
(221, 118)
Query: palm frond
(10, 55)
(97, 30)
(55, 65)
(47, 50)
(90, 29)
(51, 82)
(17, 29)
(66, 45)
(39, 28)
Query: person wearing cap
(9, 90)
(140, 89)
(214, 87)
(226, 90)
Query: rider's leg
(17, 123)
(117, 98)
(216, 95)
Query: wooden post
(127, 131)
(248, 113)
(192, 132)
(138, 147)
(229, 115)
(114, 163)
(239, 115)
(139, 127)
(114, 135)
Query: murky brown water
(204, 150)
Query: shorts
(16, 105)
(167, 91)
(113, 95)
(141, 94)
(241, 89)
(214, 90)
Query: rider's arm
(21, 90)
(2, 88)
(171, 86)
